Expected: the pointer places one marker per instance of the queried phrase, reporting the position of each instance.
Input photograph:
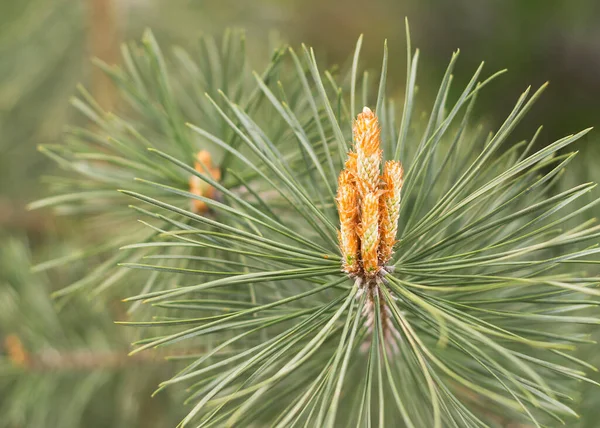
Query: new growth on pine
(368, 203)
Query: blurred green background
(46, 46)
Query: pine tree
(330, 258)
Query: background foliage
(45, 49)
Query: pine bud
(392, 181)
(369, 233)
(347, 202)
(198, 186)
(367, 141)
(16, 351)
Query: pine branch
(63, 368)
(470, 319)
(110, 153)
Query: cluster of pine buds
(203, 165)
(368, 203)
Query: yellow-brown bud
(389, 204)
(369, 233)
(367, 142)
(348, 205)
(199, 187)
(16, 351)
